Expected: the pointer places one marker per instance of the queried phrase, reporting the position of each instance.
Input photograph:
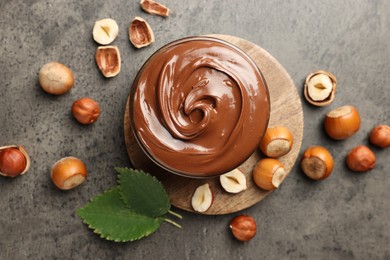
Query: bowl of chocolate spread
(199, 107)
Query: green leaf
(142, 192)
(112, 220)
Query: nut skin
(66, 169)
(243, 227)
(56, 78)
(14, 161)
(342, 122)
(86, 110)
(277, 133)
(361, 159)
(327, 101)
(380, 136)
(264, 172)
(317, 163)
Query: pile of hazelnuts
(69, 172)
(340, 124)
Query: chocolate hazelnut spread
(200, 106)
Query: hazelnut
(14, 161)
(243, 227)
(203, 198)
(269, 173)
(320, 88)
(56, 78)
(277, 141)
(361, 159)
(153, 7)
(108, 60)
(380, 136)
(317, 163)
(140, 33)
(233, 181)
(342, 122)
(86, 110)
(68, 173)
(105, 31)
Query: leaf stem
(172, 222)
(175, 214)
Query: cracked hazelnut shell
(155, 8)
(108, 60)
(14, 161)
(140, 33)
(320, 88)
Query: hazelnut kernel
(56, 78)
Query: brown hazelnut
(380, 136)
(317, 163)
(361, 159)
(86, 110)
(269, 173)
(243, 227)
(68, 173)
(342, 122)
(14, 161)
(140, 33)
(277, 141)
(108, 60)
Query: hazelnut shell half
(330, 98)
(152, 7)
(24, 152)
(140, 33)
(108, 59)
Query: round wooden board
(286, 110)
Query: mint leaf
(108, 216)
(142, 193)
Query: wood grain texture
(286, 110)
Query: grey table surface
(346, 216)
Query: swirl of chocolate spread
(200, 107)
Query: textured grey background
(344, 217)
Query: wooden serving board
(286, 110)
